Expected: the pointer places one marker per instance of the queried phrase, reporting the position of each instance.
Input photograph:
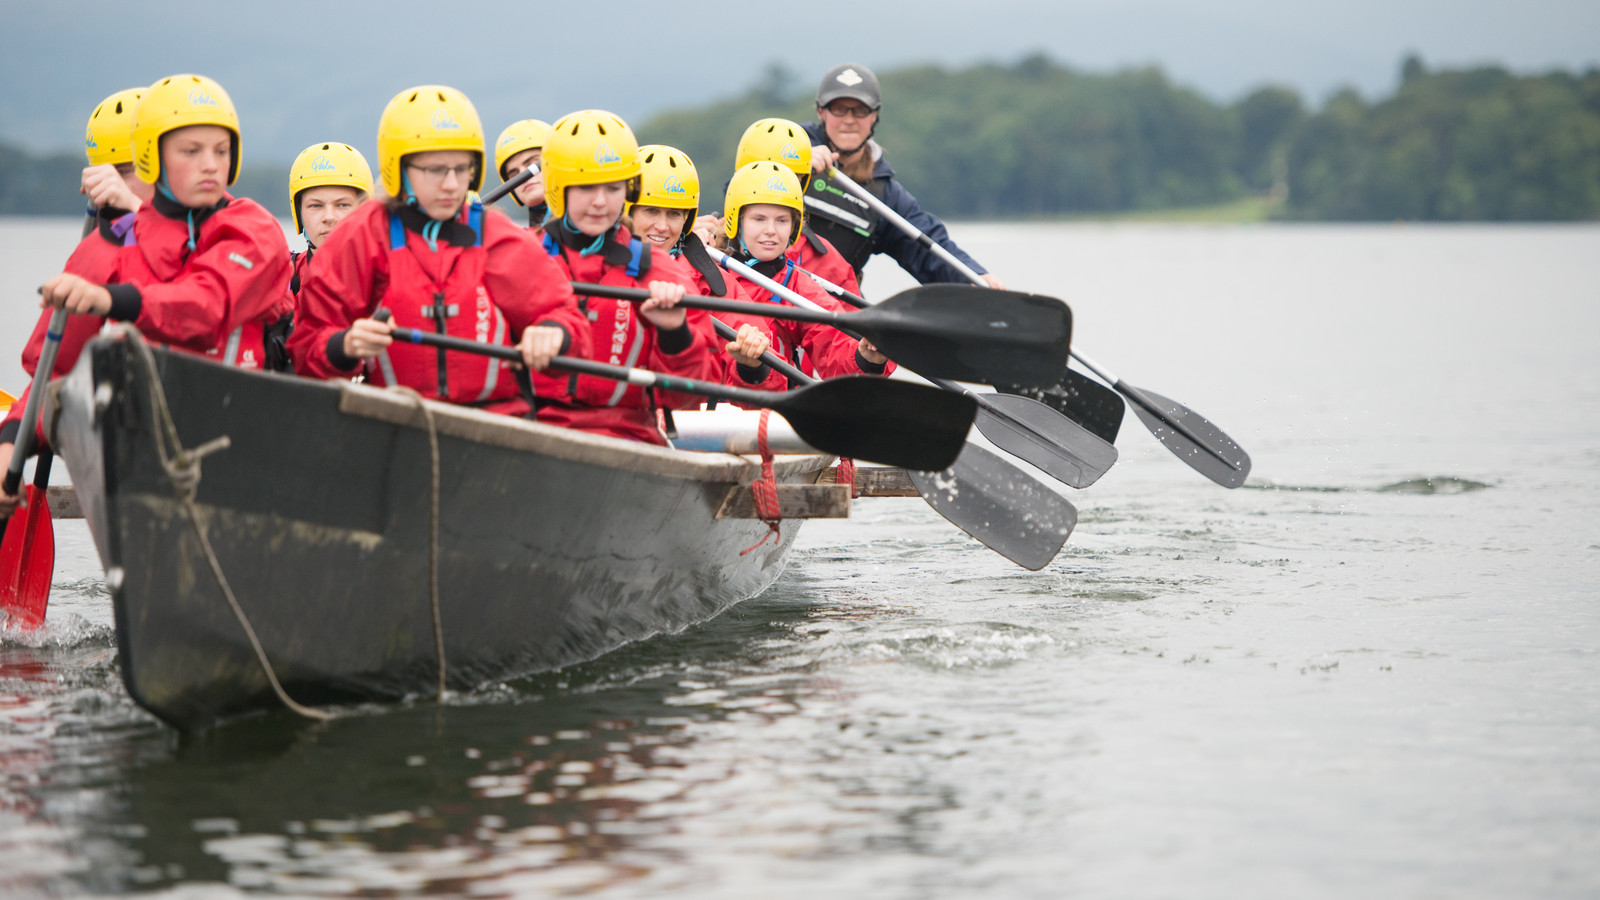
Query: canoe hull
(553, 546)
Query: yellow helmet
(763, 182)
(667, 179)
(422, 119)
(174, 102)
(590, 146)
(109, 138)
(776, 140)
(326, 165)
(528, 134)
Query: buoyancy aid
(210, 280)
(843, 219)
(460, 306)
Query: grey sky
(303, 72)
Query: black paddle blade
(1081, 399)
(896, 423)
(969, 333)
(1205, 448)
(1034, 432)
(1007, 510)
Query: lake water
(1374, 671)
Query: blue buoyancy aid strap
(397, 233)
(637, 251)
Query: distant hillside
(1037, 139)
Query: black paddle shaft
(895, 423)
(945, 330)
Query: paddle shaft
(769, 358)
(1129, 391)
(30, 413)
(505, 187)
(811, 313)
(640, 377)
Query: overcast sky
(304, 72)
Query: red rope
(765, 488)
(845, 473)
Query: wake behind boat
(553, 546)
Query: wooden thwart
(795, 501)
(875, 481)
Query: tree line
(1037, 139)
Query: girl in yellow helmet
(519, 146)
(763, 217)
(591, 168)
(433, 258)
(669, 197)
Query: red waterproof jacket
(483, 279)
(94, 260)
(711, 281)
(215, 296)
(820, 350)
(622, 337)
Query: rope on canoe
(182, 467)
(433, 528)
(764, 489)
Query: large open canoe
(554, 546)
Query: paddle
(949, 330)
(505, 187)
(28, 550)
(1017, 425)
(981, 494)
(1193, 439)
(862, 418)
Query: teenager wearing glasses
(849, 104)
(434, 259)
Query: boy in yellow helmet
(109, 180)
(519, 146)
(433, 258)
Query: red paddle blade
(28, 560)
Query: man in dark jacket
(848, 103)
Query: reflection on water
(1365, 674)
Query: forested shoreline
(1036, 139)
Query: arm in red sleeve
(344, 282)
(238, 273)
(528, 286)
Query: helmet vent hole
(119, 107)
(602, 128)
(441, 96)
(412, 98)
(670, 161)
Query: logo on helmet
(201, 97)
(442, 121)
(788, 152)
(849, 78)
(89, 143)
(603, 154)
(673, 185)
(776, 184)
(322, 164)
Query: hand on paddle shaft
(1018, 425)
(1185, 432)
(891, 422)
(28, 549)
(947, 330)
(1005, 509)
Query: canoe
(553, 546)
